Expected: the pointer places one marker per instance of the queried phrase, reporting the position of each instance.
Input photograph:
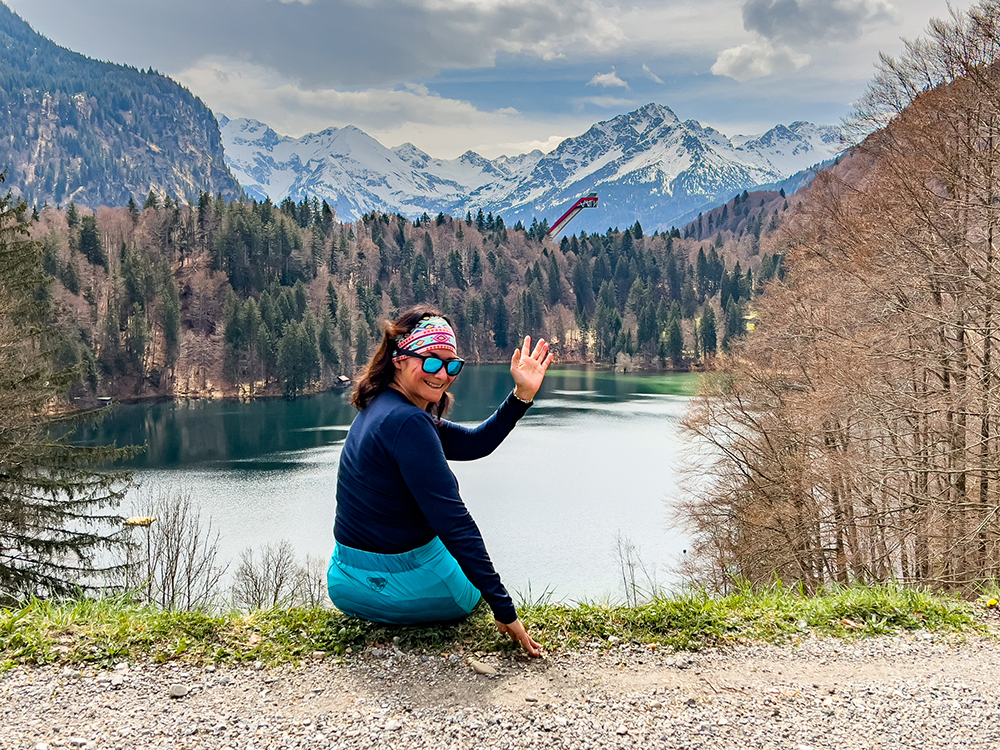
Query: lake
(594, 460)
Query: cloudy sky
(497, 76)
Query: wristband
(526, 403)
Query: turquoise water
(594, 459)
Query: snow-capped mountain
(646, 165)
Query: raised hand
(528, 367)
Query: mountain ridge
(647, 165)
(98, 133)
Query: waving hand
(528, 368)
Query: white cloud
(606, 102)
(608, 80)
(337, 43)
(440, 126)
(523, 147)
(757, 60)
(685, 31)
(236, 88)
(650, 74)
(308, 64)
(332, 42)
(787, 33)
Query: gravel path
(910, 691)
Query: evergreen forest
(240, 298)
(96, 133)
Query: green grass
(109, 630)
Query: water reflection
(595, 456)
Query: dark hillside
(95, 133)
(238, 298)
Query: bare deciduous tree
(275, 578)
(174, 557)
(267, 581)
(856, 430)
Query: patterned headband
(429, 333)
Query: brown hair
(376, 376)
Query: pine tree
(90, 242)
(646, 333)
(420, 279)
(298, 356)
(500, 324)
(476, 270)
(56, 510)
(346, 336)
(553, 273)
(170, 313)
(675, 342)
(607, 322)
(72, 216)
(361, 355)
(331, 300)
(583, 286)
(457, 267)
(327, 346)
(707, 331)
(735, 325)
(70, 277)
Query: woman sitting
(407, 550)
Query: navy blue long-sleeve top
(395, 491)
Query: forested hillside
(81, 130)
(859, 427)
(245, 299)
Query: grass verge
(109, 630)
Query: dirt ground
(916, 690)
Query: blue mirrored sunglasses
(434, 364)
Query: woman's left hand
(519, 634)
(528, 368)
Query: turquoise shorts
(423, 585)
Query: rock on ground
(909, 691)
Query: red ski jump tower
(587, 201)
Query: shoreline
(95, 404)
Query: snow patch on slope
(646, 165)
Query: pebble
(480, 668)
(812, 694)
(179, 691)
